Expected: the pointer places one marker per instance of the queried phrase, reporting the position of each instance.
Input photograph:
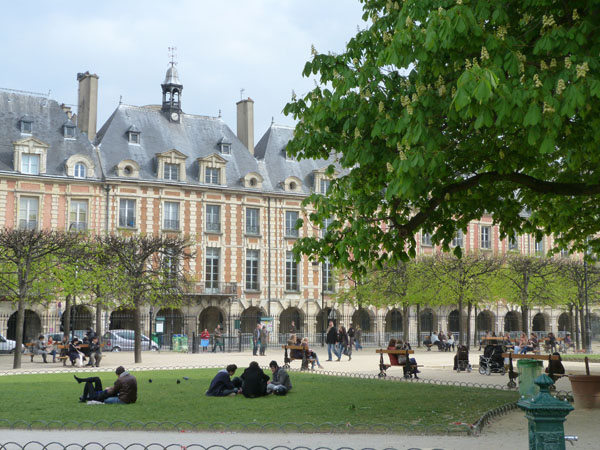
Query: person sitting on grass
(280, 384)
(222, 385)
(125, 388)
(254, 381)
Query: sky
(223, 46)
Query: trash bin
(180, 343)
(529, 370)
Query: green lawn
(315, 399)
(580, 357)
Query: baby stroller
(461, 360)
(491, 361)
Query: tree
(438, 112)
(576, 275)
(26, 258)
(530, 281)
(460, 280)
(154, 269)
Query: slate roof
(47, 119)
(198, 137)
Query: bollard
(546, 415)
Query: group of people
(340, 341)
(410, 369)
(306, 351)
(252, 383)
(123, 391)
(260, 339)
(75, 350)
(444, 342)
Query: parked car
(117, 340)
(7, 345)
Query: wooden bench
(287, 359)
(383, 366)
(512, 375)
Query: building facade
(156, 169)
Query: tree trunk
(469, 308)
(461, 339)
(99, 321)
(475, 328)
(405, 322)
(418, 325)
(19, 335)
(525, 318)
(583, 329)
(577, 330)
(137, 324)
(67, 316)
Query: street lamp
(588, 328)
(315, 265)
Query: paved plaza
(509, 431)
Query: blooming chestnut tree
(439, 111)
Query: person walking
(331, 340)
(218, 339)
(264, 339)
(358, 338)
(256, 339)
(342, 343)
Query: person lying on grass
(124, 390)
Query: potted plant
(586, 388)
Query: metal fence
(171, 329)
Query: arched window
(80, 170)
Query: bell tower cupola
(171, 91)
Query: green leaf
(533, 116)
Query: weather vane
(242, 90)
(172, 54)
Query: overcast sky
(222, 46)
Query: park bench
(512, 375)
(547, 344)
(287, 358)
(383, 366)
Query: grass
(315, 399)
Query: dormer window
(26, 126)
(292, 184)
(69, 132)
(171, 172)
(80, 170)
(133, 135)
(224, 146)
(212, 170)
(30, 164)
(212, 175)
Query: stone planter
(586, 390)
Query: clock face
(175, 116)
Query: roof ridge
(155, 109)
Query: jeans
(276, 389)
(339, 351)
(330, 348)
(357, 345)
(255, 347)
(114, 401)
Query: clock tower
(171, 91)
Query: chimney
(67, 110)
(87, 105)
(245, 123)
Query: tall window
(291, 218)
(513, 243)
(564, 252)
(30, 164)
(28, 213)
(327, 269)
(291, 272)
(486, 237)
(80, 170)
(212, 270)
(171, 219)
(213, 218)
(457, 241)
(212, 175)
(325, 183)
(426, 238)
(252, 221)
(171, 172)
(252, 270)
(127, 213)
(79, 212)
(170, 264)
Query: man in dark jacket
(95, 353)
(281, 384)
(221, 385)
(125, 388)
(331, 340)
(254, 381)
